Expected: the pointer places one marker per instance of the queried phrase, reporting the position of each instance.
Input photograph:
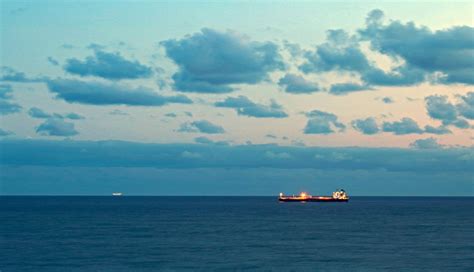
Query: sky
(236, 97)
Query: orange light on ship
(303, 195)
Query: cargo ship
(337, 196)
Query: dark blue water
(237, 233)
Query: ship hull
(312, 199)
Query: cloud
(437, 130)
(53, 61)
(322, 123)
(466, 107)
(367, 126)
(401, 76)
(171, 115)
(404, 126)
(166, 156)
(107, 65)
(450, 51)
(429, 143)
(11, 75)
(96, 93)
(421, 52)
(271, 136)
(7, 107)
(346, 88)
(245, 106)
(341, 52)
(96, 46)
(387, 100)
(440, 108)
(202, 126)
(297, 84)
(460, 123)
(209, 61)
(5, 91)
(4, 133)
(278, 156)
(56, 127)
(118, 112)
(73, 116)
(205, 140)
(293, 48)
(38, 113)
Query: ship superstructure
(337, 196)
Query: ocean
(130, 233)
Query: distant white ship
(117, 194)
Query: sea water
(235, 233)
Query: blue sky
(288, 89)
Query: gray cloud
(367, 126)
(73, 116)
(429, 143)
(424, 52)
(5, 91)
(11, 75)
(440, 108)
(39, 113)
(387, 100)
(96, 93)
(107, 65)
(466, 107)
(171, 115)
(342, 52)
(437, 130)
(295, 84)
(450, 51)
(245, 106)
(346, 88)
(322, 123)
(6, 106)
(166, 156)
(4, 133)
(277, 155)
(404, 126)
(209, 61)
(56, 127)
(53, 61)
(205, 140)
(202, 126)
